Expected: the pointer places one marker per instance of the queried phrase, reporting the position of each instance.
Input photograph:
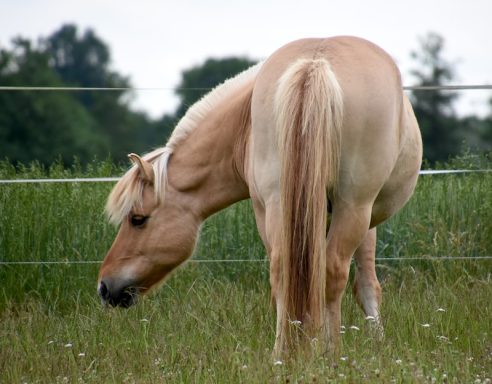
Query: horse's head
(156, 234)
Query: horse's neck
(208, 167)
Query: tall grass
(213, 322)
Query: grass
(213, 323)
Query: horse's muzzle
(123, 297)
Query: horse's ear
(145, 168)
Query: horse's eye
(138, 220)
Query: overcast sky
(153, 41)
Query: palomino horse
(323, 140)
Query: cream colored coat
(320, 135)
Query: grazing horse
(323, 140)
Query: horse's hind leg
(268, 227)
(348, 228)
(366, 288)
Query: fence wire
(114, 179)
(200, 89)
(234, 261)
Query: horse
(323, 140)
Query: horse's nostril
(103, 291)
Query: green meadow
(212, 322)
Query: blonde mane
(128, 192)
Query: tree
(198, 80)
(83, 60)
(434, 109)
(46, 125)
(40, 126)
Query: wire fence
(115, 179)
(235, 261)
(200, 89)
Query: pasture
(212, 322)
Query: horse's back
(377, 121)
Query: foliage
(198, 80)
(443, 132)
(47, 125)
(213, 322)
(436, 117)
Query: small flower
(278, 362)
(440, 310)
(244, 366)
(398, 361)
(354, 328)
(344, 358)
(426, 325)
(342, 332)
(442, 338)
(295, 322)
(81, 354)
(342, 327)
(50, 342)
(68, 345)
(370, 318)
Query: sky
(153, 41)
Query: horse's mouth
(124, 298)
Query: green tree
(46, 125)
(83, 60)
(434, 109)
(198, 80)
(41, 126)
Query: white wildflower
(81, 354)
(370, 318)
(354, 328)
(344, 358)
(398, 361)
(295, 322)
(426, 325)
(68, 345)
(440, 310)
(278, 362)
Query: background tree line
(46, 126)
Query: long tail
(309, 112)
